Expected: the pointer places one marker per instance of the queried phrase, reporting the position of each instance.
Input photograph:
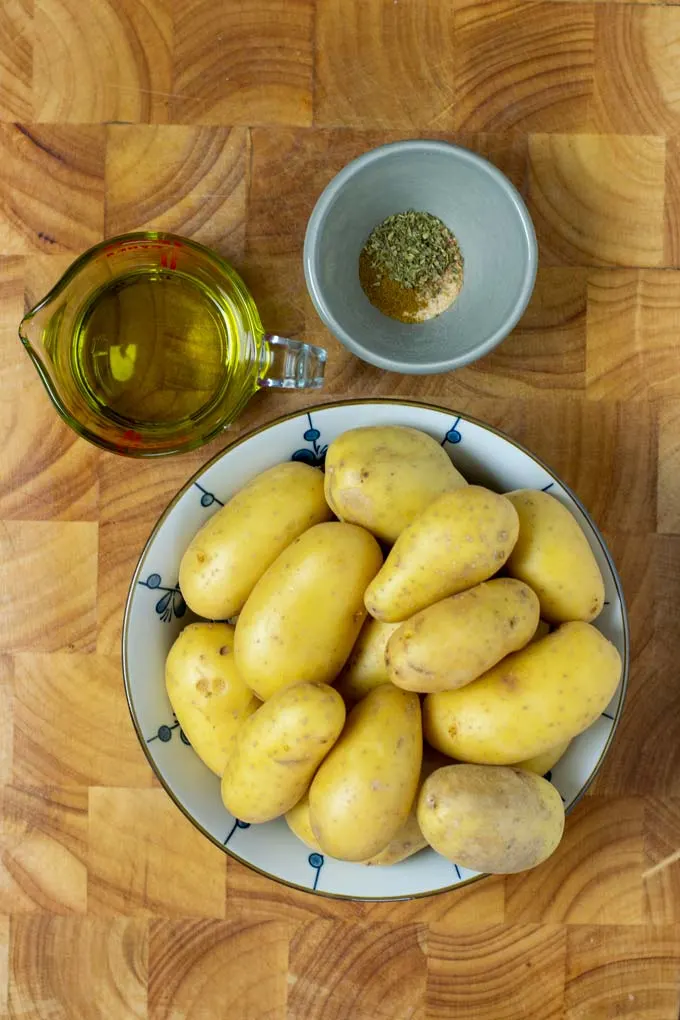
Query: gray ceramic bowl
(476, 201)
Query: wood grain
(598, 198)
(188, 180)
(218, 968)
(51, 188)
(491, 971)
(622, 972)
(224, 121)
(246, 62)
(142, 863)
(122, 71)
(372, 972)
(47, 977)
(498, 88)
(636, 82)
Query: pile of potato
(385, 602)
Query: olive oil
(154, 348)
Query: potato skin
(382, 477)
(364, 790)
(409, 839)
(461, 539)
(305, 613)
(553, 556)
(532, 700)
(366, 667)
(542, 763)
(209, 698)
(278, 750)
(300, 825)
(496, 819)
(232, 550)
(457, 639)
(406, 842)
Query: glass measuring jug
(151, 344)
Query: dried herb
(406, 261)
(413, 248)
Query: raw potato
(542, 763)
(491, 819)
(232, 550)
(300, 825)
(409, 840)
(207, 695)
(553, 555)
(531, 701)
(363, 792)
(366, 667)
(462, 539)
(278, 750)
(382, 477)
(454, 641)
(305, 613)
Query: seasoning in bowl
(411, 267)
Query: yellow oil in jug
(155, 349)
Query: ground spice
(411, 267)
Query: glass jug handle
(292, 365)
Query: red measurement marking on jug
(132, 437)
(160, 245)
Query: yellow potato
(532, 700)
(406, 842)
(461, 539)
(300, 825)
(232, 550)
(383, 476)
(497, 819)
(305, 613)
(278, 750)
(454, 641)
(553, 555)
(409, 839)
(209, 698)
(366, 667)
(363, 792)
(542, 763)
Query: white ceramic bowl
(155, 613)
(482, 208)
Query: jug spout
(33, 327)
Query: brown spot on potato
(509, 680)
(225, 650)
(200, 557)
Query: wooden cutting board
(223, 120)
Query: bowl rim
(239, 442)
(322, 208)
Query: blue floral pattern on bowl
(315, 454)
(171, 603)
